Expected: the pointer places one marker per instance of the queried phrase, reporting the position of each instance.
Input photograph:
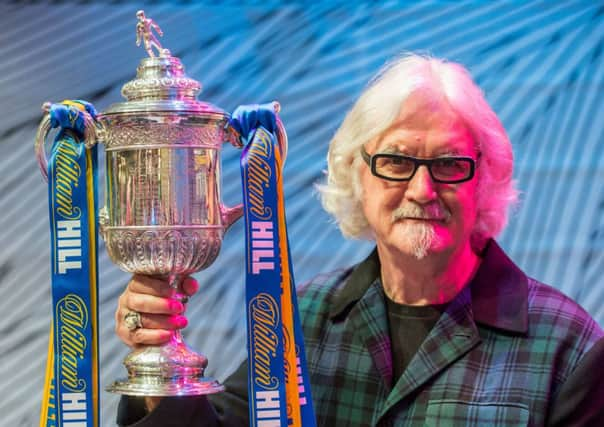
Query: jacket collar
(499, 290)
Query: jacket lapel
(454, 335)
(362, 299)
(371, 324)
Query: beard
(420, 236)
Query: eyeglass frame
(417, 162)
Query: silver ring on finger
(133, 320)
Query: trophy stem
(177, 338)
(175, 280)
(171, 369)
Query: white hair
(378, 107)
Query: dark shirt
(409, 326)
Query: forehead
(426, 123)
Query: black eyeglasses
(397, 167)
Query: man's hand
(160, 314)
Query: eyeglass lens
(447, 169)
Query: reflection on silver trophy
(162, 214)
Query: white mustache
(433, 211)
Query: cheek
(381, 200)
(371, 204)
(379, 197)
(466, 209)
(375, 205)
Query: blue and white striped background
(540, 63)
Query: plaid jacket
(508, 351)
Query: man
(437, 326)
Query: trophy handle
(90, 136)
(281, 134)
(230, 215)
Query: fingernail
(180, 321)
(176, 306)
(190, 285)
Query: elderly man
(437, 326)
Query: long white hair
(378, 107)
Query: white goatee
(420, 235)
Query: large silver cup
(163, 215)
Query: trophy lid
(161, 84)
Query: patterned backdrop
(540, 63)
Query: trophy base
(172, 369)
(147, 387)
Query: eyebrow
(391, 149)
(448, 152)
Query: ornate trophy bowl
(162, 215)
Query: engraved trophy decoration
(163, 214)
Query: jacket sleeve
(227, 409)
(580, 401)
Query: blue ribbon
(72, 399)
(266, 237)
(247, 118)
(68, 115)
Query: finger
(190, 286)
(153, 321)
(143, 336)
(149, 304)
(160, 321)
(156, 329)
(142, 284)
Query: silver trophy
(162, 214)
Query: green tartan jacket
(507, 351)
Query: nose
(421, 188)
